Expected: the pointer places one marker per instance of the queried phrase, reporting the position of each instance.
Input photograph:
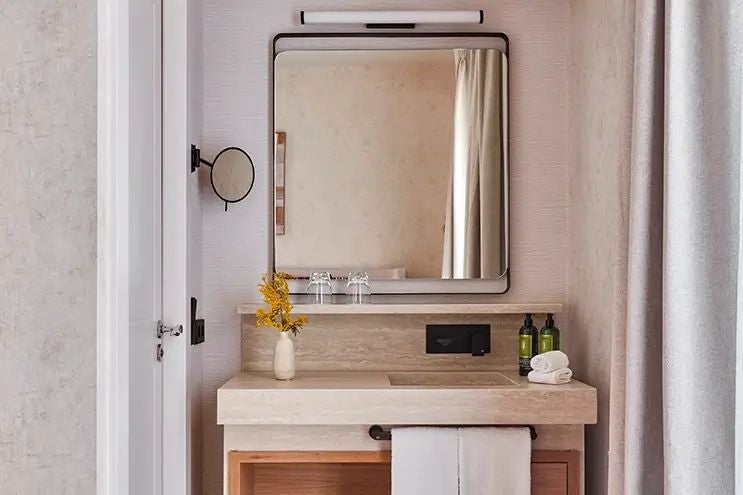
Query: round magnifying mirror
(232, 175)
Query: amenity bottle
(549, 336)
(528, 345)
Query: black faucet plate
(458, 339)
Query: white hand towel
(556, 377)
(549, 361)
(424, 461)
(494, 461)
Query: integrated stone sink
(363, 398)
(450, 379)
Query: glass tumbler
(320, 288)
(358, 288)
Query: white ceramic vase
(284, 367)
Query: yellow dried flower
(275, 291)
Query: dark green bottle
(549, 336)
(528, 344)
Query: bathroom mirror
(232, 173)
(391, 157)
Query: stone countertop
(368, 397)
(414, 308)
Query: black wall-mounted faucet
(458, 339)
(478, 343)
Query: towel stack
(551, 368)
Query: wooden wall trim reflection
(280, 182)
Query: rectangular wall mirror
(391, 158)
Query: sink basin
(450, 379)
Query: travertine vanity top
(368, 397)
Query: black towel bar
(379, 433)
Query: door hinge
(163, 330)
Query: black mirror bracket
(196, 160)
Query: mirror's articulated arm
(196, 159)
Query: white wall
(600, 87)
(237, 62)
(47, 247)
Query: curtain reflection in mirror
(473, 241)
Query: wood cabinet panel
(367, 473)
(556, 472)
(549, 478)
(322, 479)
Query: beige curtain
(674, 364)
(473, 233)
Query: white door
(160, 132)
(143, 430)
(145, 248)
(181, 118)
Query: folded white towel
(556, 377)
(549, 361)
(493, 461)
(424, 461)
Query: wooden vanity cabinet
(367, 473)
(555, 472)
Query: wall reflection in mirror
(392, 162)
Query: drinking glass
(358, 288)
(320, 288)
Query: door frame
(112, 318)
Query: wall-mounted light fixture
(393, 19)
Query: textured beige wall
(47, 246)
(600, 88)
(237, 96)
(369, 146)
